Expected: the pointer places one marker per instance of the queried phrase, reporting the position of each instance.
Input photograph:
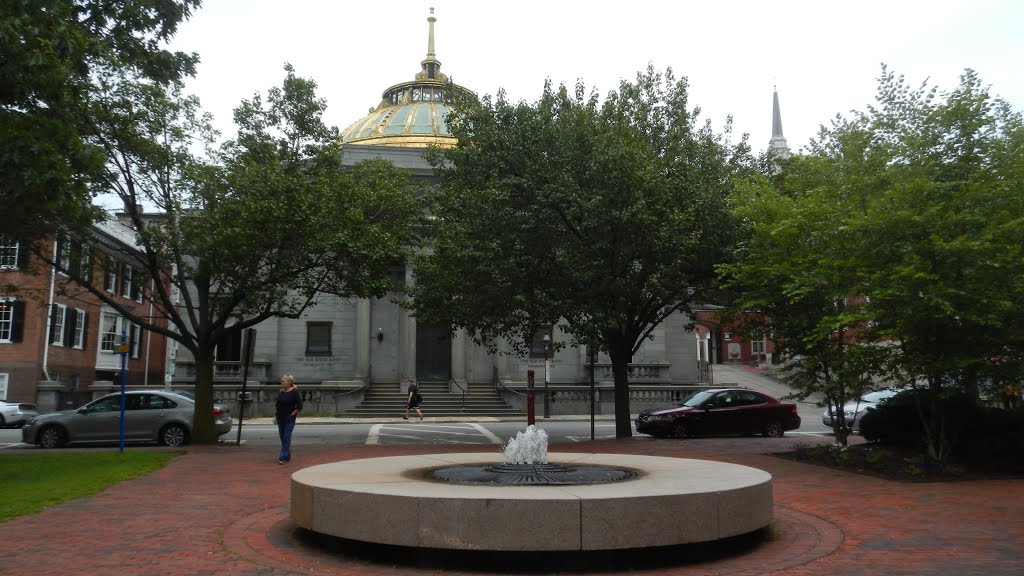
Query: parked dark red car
(721, 411)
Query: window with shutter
(7, 306)
(111, 282)
(58, 314)
(10, 252)
(70, 319)
(78, 334)
(135, 339)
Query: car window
(155, 402)
(877, 396)
(748, 398)
(697, 399)
(726, 399)
(107, 404)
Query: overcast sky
(824, 56)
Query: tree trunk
(203, 431)
(620, 357)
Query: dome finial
(430, 40)
(431, 66)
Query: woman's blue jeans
(284, 430)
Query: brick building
(57, 340)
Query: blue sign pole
(123, 349)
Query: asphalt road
(416, 432)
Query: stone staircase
(385, 400)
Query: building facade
(58, 342)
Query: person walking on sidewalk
(288, 406)
(414, 399)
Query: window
(108, 331)
(134, 339)
(126, 281)
(110, 403)
(4, 379)
(58, 312)
(154, 402)
(111, 283)
(12, 253)
(757, 346)
(63, 255)
(81, 323)
(12, 318)
(318, 338)
(538, 347)
(229, 348)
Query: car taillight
(217, 412)
(793, 408)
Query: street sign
(120, 348)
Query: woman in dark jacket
(289, 404)
(413, 402)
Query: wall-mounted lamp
(380, 334)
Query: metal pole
(248, 345)
(124, 377)
(593, 360)
(531, 414)
(547, 376)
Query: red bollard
(530, 415)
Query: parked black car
(721, 411)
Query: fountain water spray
(528, 447)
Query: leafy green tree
(913, 208)
(272, 223)
(604, 216)
(945, 236)
(54, 51)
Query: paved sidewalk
(223, 510)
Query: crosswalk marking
(463, 433)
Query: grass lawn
(32, 482)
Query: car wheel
(174, 435)
(773, 429)
(680, 429)
(52, 437)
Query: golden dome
(411, 114)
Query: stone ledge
(674, 501)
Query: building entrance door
(433, 353)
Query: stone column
(361, 339)
(458, 360)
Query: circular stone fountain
(669, 501)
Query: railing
(460, 387)
(230, 370)
(640, 373)
(363, 388)
(498, 386)
(705, 375)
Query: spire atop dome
(430, 38)
(431, 66)
(777, 145)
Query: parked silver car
(854, 409)
(14, 414)
(150, 416)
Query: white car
(855, 409)
(15, 414)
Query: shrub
(984, 438)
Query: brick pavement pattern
(224, 511)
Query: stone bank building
(348, 355)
